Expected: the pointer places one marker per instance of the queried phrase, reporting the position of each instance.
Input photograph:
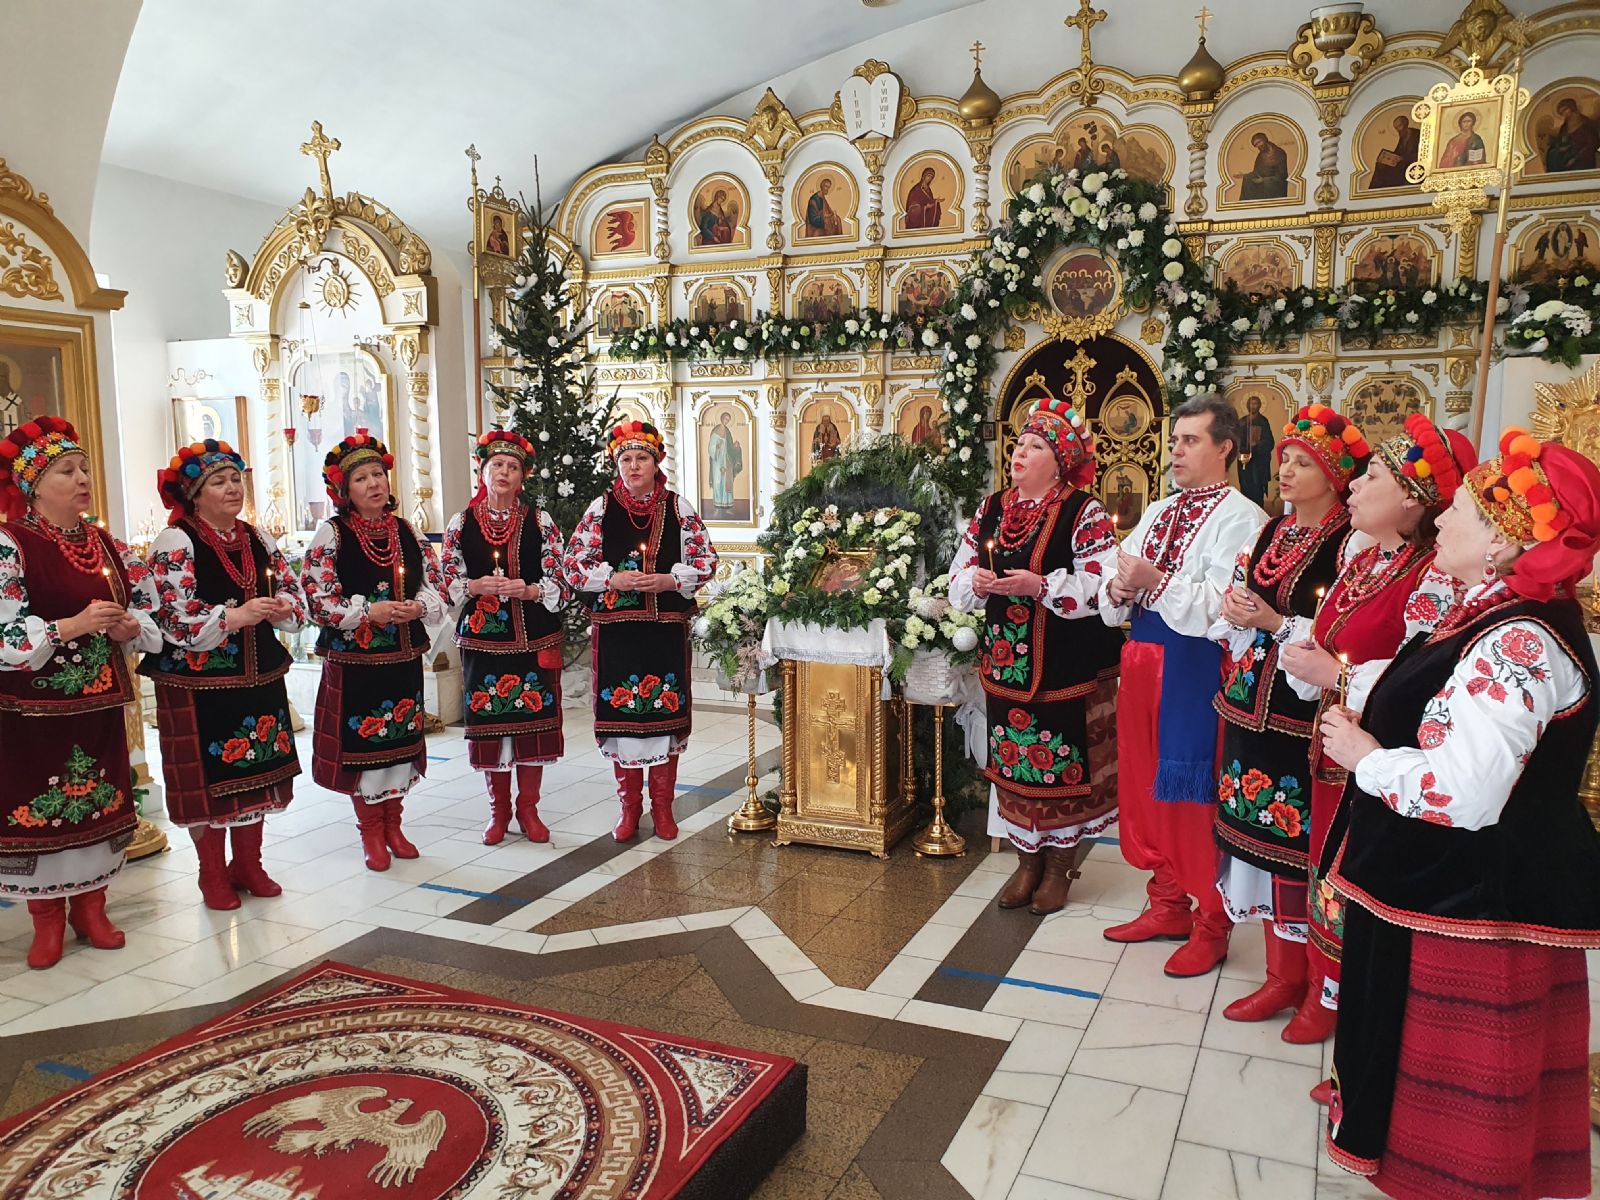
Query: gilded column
(980, 141)
(1330, 111)
(778, 420)
(411, 345)
(775, 289)
(774, 174)
(264, 354)
(1198, 118)
(656, 164)
(669, 431)
(873, 149)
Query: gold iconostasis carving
(1287, 168)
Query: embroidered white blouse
(27, 641)
(169, 594)
(554, 590)
(329, 604)
(1479, 729)
(1068, 594)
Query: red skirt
(1491, 1100)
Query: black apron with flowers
(1039, 672)
(641, 639)
(510, 649)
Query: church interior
(824, 296)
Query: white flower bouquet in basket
(936, 645)
(730, 629)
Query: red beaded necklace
(86, 555)
(639, 508)
(1020, 518)
(369, 534)
(497, 524)
(1493, 596)
(1371, 572)
(226, 545)
(1291, 543)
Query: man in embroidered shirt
(1170, 577)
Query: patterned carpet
(349, 1082)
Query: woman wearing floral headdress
(217, 588)
(502, 566)
(373, 586)
(639, 554)
(1469, 862)
(1263, 814)
(1387, 592)
(67, 791)
(1032, 561)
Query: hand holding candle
(1344, 679)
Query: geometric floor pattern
(952, 1050)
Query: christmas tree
(552, 401)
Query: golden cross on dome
(1085, 19)
(1204, 15)
(977, 54)
(320, 146)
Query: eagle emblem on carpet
(349, 1083)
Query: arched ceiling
(222, 95)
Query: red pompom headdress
(181, 479)
(1428, 461)
(340, 463)
(502, 441)
(1546, 494)
(635, 435)
(1069, 437)
(27, 454)
(1334, 442)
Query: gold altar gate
(847, 778)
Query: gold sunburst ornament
(1569, 413)
(337, 291)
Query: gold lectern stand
(846, 759)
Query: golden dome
(980, 104)
(1201, 75)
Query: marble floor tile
(904, 976)
(1258, 1038)
(1140, 1044)
(991, 1144)
(1256, 1106)
(1077, 930)
(1108, 1137)
(1113, 884)
(1139, 977)
(1207, 1173)
(1041, 1047)
(1000, 1026)
(1061, 970)
(1030, 1187)
(1036, 1004)
(225, 952)
(1025, 1087)
(870, 1004)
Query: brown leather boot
(1019, 888)
(1059, 872)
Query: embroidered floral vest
(360, 576)
(489, 622)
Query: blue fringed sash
(1186, 769)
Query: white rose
(930, 337)
(1172, 272)
(1093, 181)
(1036, 193)
(966, 453)
(694, 331)
(1122, 243)
(1022, 252)
(1413, 317)
(1187, 327)
(1240, 324)
(1135, 237)
(672, 339)
(740, 344)
(816, 528)
(1147, 211)
(1547, 310)
(1429, 297)
(701, 627)
(1172, 247)
(968, 313)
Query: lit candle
(402, 566)
(989, 546)
(1322, 594)
(1344, 679)
(497, 569)
(269, 583)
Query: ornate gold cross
(1204, 15)
(320, 146)
(977, 54)
(1086, 88)
(832, 720)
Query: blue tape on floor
(67, 1069)
(1106, 841)
(438, 758)
(704, 790)
(8, 903)
(455, 891)
(1027, 983)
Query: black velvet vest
(1532, 876)
(489, 622)
(1030, 653)
(1251, 694)
(656, 549)
(360, 576)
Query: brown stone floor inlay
(884, 1100)
(851, 913)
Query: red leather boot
(663, 786)
(1314, 1021)
(86, 912)
(1286, 981)
(399, 844)
(216, 889)
(1206, 948)
(630, 794)
(49, 929)
(245, 871)
(529, 780)
(369, 820)
(499, 783)
(1159, 922)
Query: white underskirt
(1031, 841)
(643, 752)
(387, 783)
(508, 758)
(62, 872)
(1247, 895)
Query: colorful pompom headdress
(27, 454)
(182, 478)
(502, 441)
(1334, 442)
(1066, 432)
(341, 462)
(635, 435)
(1428, 461)
(1545, 497)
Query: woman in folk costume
(373, 586)
(1387, 592)
(67, 789)
(1032, 561)
(218, 588)
(502, 560)
(640, 553)
(1469, 862)
(1264, 809)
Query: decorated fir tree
(552, 402)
